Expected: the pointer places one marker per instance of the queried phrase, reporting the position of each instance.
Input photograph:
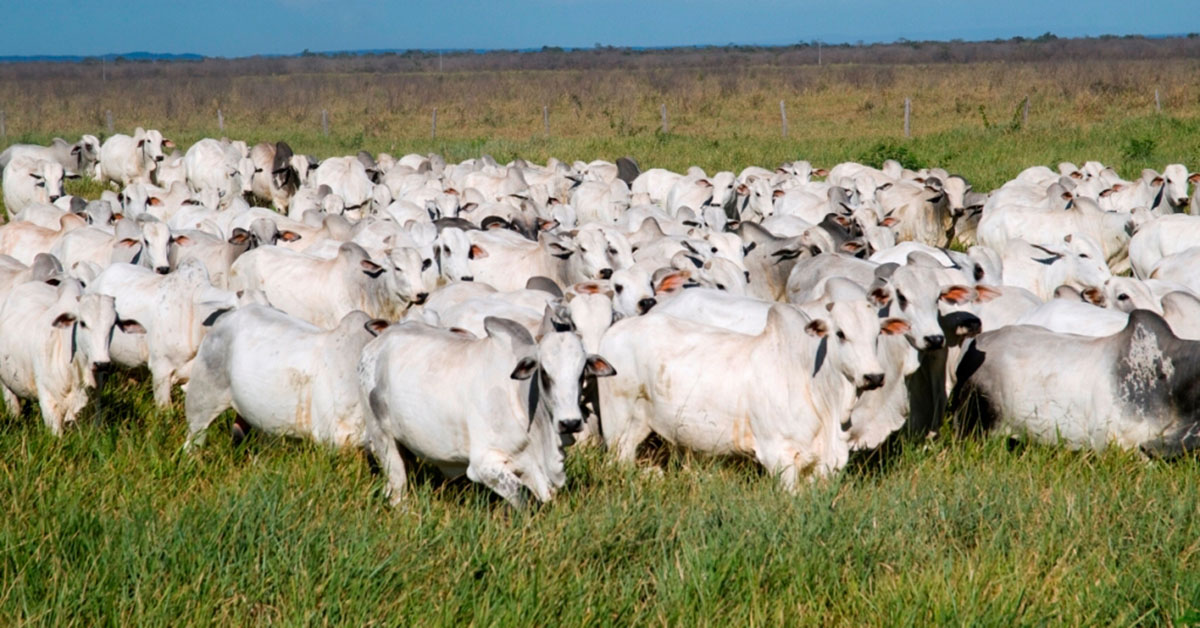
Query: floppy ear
(890, 221)
(289, 236)
(983, 293)
(893, 327)
(880, 296)
(371, 268)
(64, 320)
(376, 326)
(1094, 296)
(956, 295)
(671, 282)
(525, 369)
(820, 172)
(239, 236)
(130, 326)
(127, 242)
(182, 240)
(477, 252)
(1194, 177)
(817, 328)
(599, 367)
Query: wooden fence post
(546, 119)
(325, 122)
(665, 127)
(783, 117)
(3, 128)
(1025, 114)
(220, 121)
(108, 115)
(1157, 102)
(907, 115)
(433, 131)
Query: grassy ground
(111, 525)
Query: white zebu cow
(323, 291)
(51, 339)
(172, 310)
(126, 160)
(1133, 389)
(788, 416)
(513, 407)
(282, 375)
(28, 181)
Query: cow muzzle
(645, 305)
(871, 381)
(421, 296)
(570, 426)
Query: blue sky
(247, 27)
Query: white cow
(788, 415)
(29, 180)
(323, 291)
(172, 310)
(51, 339)
(282, 375)
(126, 160)
(499, 408)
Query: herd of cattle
(484, 316)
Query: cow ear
(289, 236)
(749, 247)
(371, 268)
(956, 295)
(893, 327)
(154, 201)
(183, 240)
(547, 225)
(1106, 193)
(1094, 295)
(599, 367)
(880, 296)
(851, 246)
(821, 172)
(127, 242)
(477, 252)
(777, 194)
(890, 221)
(376, 326)
(525, 369)
(141, 143)
(1156, 181)
(130, 326)
(672, 281)
(239, 236)
(818, 327)
(983, 293)
(743, 189)
(1194, 177)
(168, 143)
(64, 320)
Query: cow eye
(840, 335)
(902, 299)
(83, 324)
(545, 379)
(1122, 297)
(619, 288)
(714, 249)
(612, 251)
(426, 264)
(720, 286)
(1085, 256)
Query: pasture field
(113, 525)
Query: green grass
(112, 525)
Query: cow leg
(387, 454)
(626, 425)
(783, 462)
(493, 472)
(160, 374)
(12, 403)
(51, 414)
(202, 406)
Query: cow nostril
(935, 341)
(421, 296)
(874, 380)
(162, 270)
(606, 273)
(570, 426)
(468, 278)
(645, 304)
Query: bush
(891, 149)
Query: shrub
(891, 149)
